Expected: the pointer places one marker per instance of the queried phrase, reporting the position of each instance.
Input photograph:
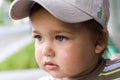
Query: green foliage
(9, 0)
(111, 49)
(1, 16)
(22, 59)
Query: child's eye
(38, 37)
(61, 38)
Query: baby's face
(62, 49)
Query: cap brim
(58, 8)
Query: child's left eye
(61, 38)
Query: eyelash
(61, 38)
(38, 37)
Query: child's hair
(98, 36)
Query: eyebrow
(62, 32)
(35, 31)
(53, 32)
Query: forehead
(44, 18)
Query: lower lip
(51, 67)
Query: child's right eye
(38, 37)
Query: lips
(50, 66)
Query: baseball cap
(71, 11)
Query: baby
(70, 37)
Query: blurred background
(17, 60)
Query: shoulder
(111, 69)
(111, 65)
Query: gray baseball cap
(71, 11)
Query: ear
(100, 48)
(102, 43)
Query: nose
(48, 51)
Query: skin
(66, 48)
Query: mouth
(50, 66)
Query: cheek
(38, 55)
(63, 52)
(70, 58)
(77, 55)
(68, 55)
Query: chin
(57, 75)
